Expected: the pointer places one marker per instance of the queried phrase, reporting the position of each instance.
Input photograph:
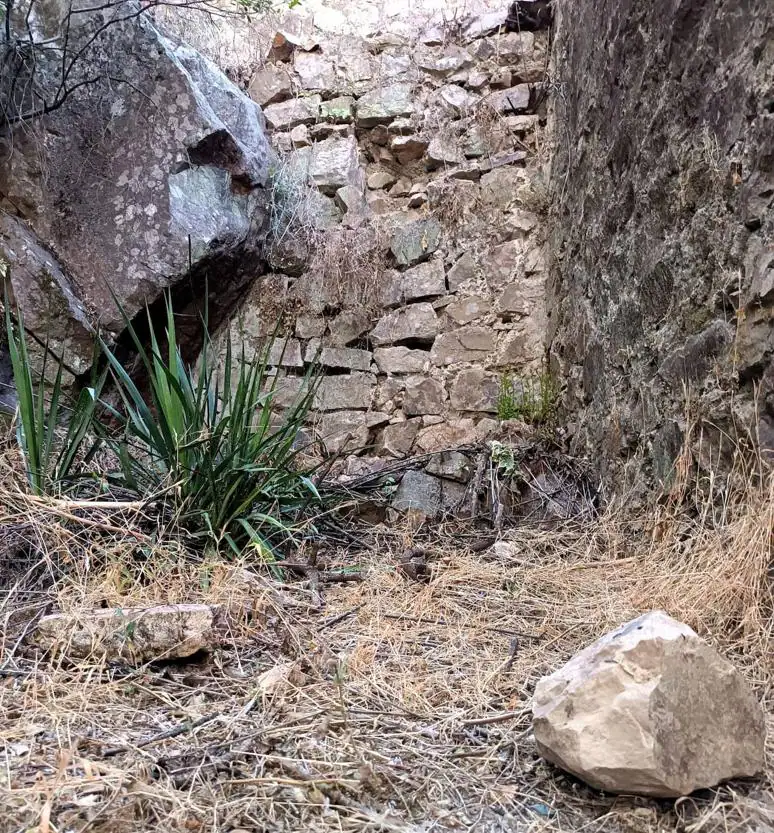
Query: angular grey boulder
(127, 179)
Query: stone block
(353, 391)
(467, 344)
(423, 395)
(287, 114)
(330, 164)
(416, 241)
(475, 390)
(401, 360)
(384, 104)
(398, 437)
(418, 493)
(417, 322)
(269, 85)
(465, 310)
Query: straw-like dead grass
(397, 705)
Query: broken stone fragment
(512, 100)
(650, 709)
(380, 179)
(134, 635)
(482, 25)
(418, 493)
(315, 71)
(330, 164)
(398, 438)
(451, 465)
(444, 149)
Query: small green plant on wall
(531, 399)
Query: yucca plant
(211, 443)
(52, 432)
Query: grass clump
(533, 399)
(202, 443)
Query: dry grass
(407, 708)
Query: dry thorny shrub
(382, 704)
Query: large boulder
(649, 709)
(154, 169)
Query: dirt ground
(393, 698)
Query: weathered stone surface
(692, 361)
(467, 344)
(522, 296)
(408, 148)
(650, 709)
(343, 430)
(447, 435)
(330, 164)
(309, 326)
(349, 392)
(463, 271)
(282, 352)
(426, 280)
(352, 201)
(338, 110)
(459, 99)
(398, 437)
(454, 59)
(423, 395)
(134, 635)
(483, 24)
(648, 283)
(315, 71)
(348, 326)
(451, 465)
(299, 136)
(445, 149)
(465, 310)
(345, 357)
(418, 493)
(288, 114)
(384, 104)
(99, 183)
(416, 241)
(269, 85)
(381, 179)
(510, 100)
(475, 390)
(501, 264)
(401, 360)
(416, 322)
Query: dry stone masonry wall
(662, 263)
(414, 269)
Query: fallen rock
(134, 635)
(418, 493)
(650, 709)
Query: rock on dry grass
(386, 704)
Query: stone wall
(416, 270)
(662, 262)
